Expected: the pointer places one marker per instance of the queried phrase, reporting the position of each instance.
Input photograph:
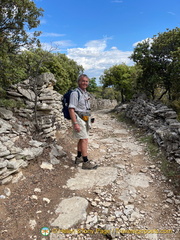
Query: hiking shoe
(78, 160)
(89, 165)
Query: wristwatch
(75, 123)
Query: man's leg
(79, 152)
(82, 147)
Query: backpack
(65, 103)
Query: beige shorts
(84, 126)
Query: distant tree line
(156, 71)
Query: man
(79, 110)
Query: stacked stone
(160, 120)
(17, 146)
(49, 112)
(98, 104)
(49, 107)
(13, 157)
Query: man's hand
(77, 127)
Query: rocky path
(126, 198)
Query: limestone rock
(57, 151)
(29, 94)
(6, 114)
(4, 126)
(32, 224)
(31, 153)
(139, 180)
(19, 176)
(102, 176)
(46, 165)
(160, 120)
(7, 191)
(46, 78)
(3, 164)
(71, 211)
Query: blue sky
(98, 34)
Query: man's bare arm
(73, 119)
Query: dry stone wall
(97, 104)
(17, 130)
(160, 120)
(49, 109)
(19, 140)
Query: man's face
(83, 83)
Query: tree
(92, 85)
(110, 93)
(121, 78)
(159, 60)
(65, 70)
(148, 79)
(17, 17)
(166, 49)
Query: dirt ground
(26, 203)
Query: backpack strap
(78, 93)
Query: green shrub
(11, 103)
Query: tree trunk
(122, 96)
(162, 94)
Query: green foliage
(98, 92)
(17, 17)
(11, 103)
(166, 50)
(147, 80)
(152, 147)
(109, 93)
(10, 70)
(159, 60)
(66, 71)
(105, 93)
(92, 88)
(2, 93)
(121, 78)
(32, 62)
(36, 61)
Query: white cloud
(142, 41)
(136, 43)
(114, 48)
(46, 34)
(95, 59)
